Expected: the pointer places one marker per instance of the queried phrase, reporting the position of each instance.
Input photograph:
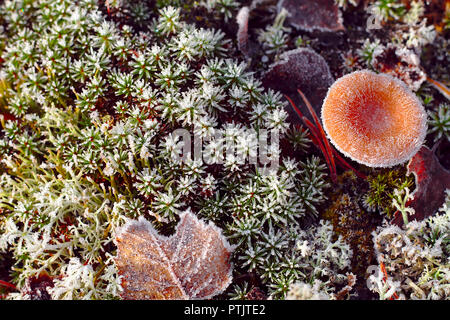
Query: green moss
(354, 223)
(381, 189)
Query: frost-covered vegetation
(415, 259)
(92, 93)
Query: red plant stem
(107, 7)
(345, 164)
(440, 86)
(318, 136)
(8, 285)
(316, 139)
(385, 276)
(321, 131)
(328, 157)
(300, 114)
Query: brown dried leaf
(302, 69)
(309, 15)
(432, 179)
(242, 34)
(191, 264)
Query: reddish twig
(8, 285)
(440, 87)
(385, 276)
(322, 133)
(108, 10)
(315, 136)
(320, 139)
(346, 165)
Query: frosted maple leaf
(193, 263)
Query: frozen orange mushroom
(374, 119)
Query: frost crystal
(191, 264)
(415, 258)
(305, 291)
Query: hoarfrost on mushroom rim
(374, 119)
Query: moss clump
(354, 223)
(382, 184)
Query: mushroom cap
(374, 119)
